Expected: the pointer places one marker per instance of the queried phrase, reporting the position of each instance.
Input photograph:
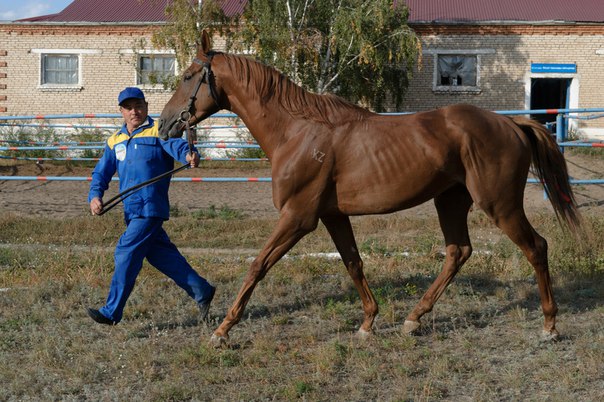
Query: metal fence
(11, 147)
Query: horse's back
(390, 163)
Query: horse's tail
(550, 166)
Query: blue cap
(129, 93)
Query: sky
(11, 10)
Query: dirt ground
(296, 340)
(69, 198)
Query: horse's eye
(187, 76)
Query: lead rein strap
(129, 191)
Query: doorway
(549, 93)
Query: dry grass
(297, 340)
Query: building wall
(107, 64)
(505, 69)
(506, 54)
(105, 69)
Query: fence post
(560, 135)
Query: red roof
(108, 11)
(123, 11)
(422, 11)
(458, 11)
(233, 7)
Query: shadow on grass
(147, 330)
(579, 293)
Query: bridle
(208, 76)
(184, 117)
(185, 114)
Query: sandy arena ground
(69, 198)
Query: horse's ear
(205, 44)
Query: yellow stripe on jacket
(121, 137)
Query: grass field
(296, 341)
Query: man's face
(134, 112)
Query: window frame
(437, 87)
(45, 69)
(151, 55)
(440, 75)
(79, 53)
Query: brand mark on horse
(318, 155)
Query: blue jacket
(137, 158)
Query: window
(60, 69)
(155, 69)
(457, 70)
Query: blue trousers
(145, 238)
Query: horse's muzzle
(169, 129)
(161, 131)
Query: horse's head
(197, 96)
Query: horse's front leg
(289, 230)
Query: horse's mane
(271, 85)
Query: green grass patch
(297, 338)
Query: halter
(185, 114)
(206, 74)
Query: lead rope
(129, 191)
(191, 137)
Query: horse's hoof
(411, 327)
(550, 335)
(363, 333)
(218, 341)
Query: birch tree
(362, 50)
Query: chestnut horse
(331, 159)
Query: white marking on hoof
(363, 334)
(550, 336)
(218, 341)
(410, 327)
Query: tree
(185, 21)
(362, 50)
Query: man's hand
(193, 160)
(96, 206)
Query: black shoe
(100, 318)
(204, 306)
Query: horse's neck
(266, 124)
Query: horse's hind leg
(341, 232)
(517, 227)
(452, 207)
